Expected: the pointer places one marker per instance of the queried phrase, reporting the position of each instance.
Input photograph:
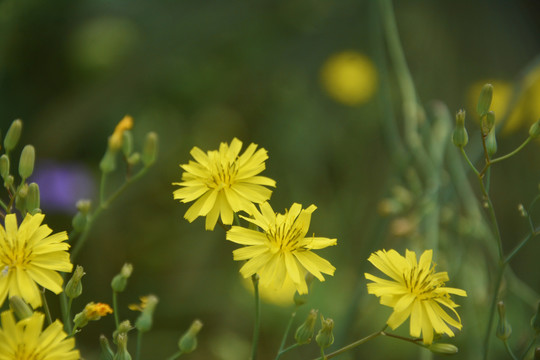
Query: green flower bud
(79, 221)
(134, 159)
(84, 206)
(122, 353)
(443, 349)
(535, 321)
(8, 181)
(127, 143)
(106, 351)
(26, 163)
(504, 330)
(144, 321)
(73, 287)
(325, 336)
(4, 166)
(21, 309)
(484, 100)
(491, 143)
(305, 332)
(488, 122)
(123, 328)
(20, 198)
(119, 282)
(460, 138)
(150, 149)
(33, 198)
(12, 136)
(108, 162)
(534, 130)
(188, 341)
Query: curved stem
(509, 350)
(176, 355)
(283, 351)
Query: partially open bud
(484, 100)
(188, 341)
(12, 136)
(21, 309)
(119, 282)
(145, 320)
(460, 138)
(325, 336)
(122, 353)
(443, 349)
(534, 130)
(106, 351)
(91, 312)
(26, 163)
(305, 332)
(123, 327)
(116, 139)
(73, 287)
(150, 149)
(504, 330)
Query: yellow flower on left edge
(222, 182)
(31, 256)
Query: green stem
(138, 345)
(115, 309)
(102, 188)
(283, 351)
(509, 350)
(519, 247)
(469, 161)
(356, 343)
(487, 335)
(256, 329)
(46, 306)
(286, 334)
(65, 309)
(323, 357)
(529, 346)
(518, 149)
(176, 355)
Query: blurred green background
(199, 73)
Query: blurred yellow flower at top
(31, 256)
(416, 291)
(281, 251)
(115, 141)
(349, 77)
(24, 340)
(222, 182)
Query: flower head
(115, 141)
(281, 251)
(31, 256)
(223, 183)
(415, 290)
(24, 340)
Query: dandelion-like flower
(222, 183)
(31, 256)
(415, 290)
(25, 340)
(282, 249)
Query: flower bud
(26, 163)
(84, 206)
(123, 328)
(491, 143)
(460, 138)
(21, 309)
(4, 166)
(134, 159)
(127, 143)
(188, 341)
(443, 349)
(535, 321)
(488, 122)
(119, 282)
(305, 332)
(8, 181)
(33, 198)
(504, 330)
(12, 136)
(150, 149)
(144, 321)
(108, 162)
(73, 287)
(325, 336)
(106, 351)
(122, 353)
(116, 139)
(484, 100)
(79, 221)
(91, 312)
(534, 130)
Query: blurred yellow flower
(349, 77)
(223, 183)
(31, 256)
(281, 251)
(115, 141)
(415, 291)
(24, 340)
(283, 296)
(95, 311)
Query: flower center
(420, 283)
(14, 257)
(283, 238)
(223, 174)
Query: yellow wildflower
(223, 183)
(281, 251)
(115, 141)
(31, 256)
(415, 291)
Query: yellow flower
(95, 311)
(31, 256)
(223, 183)
(415, 290)
(24, 340)
(115, 141)
(281, 251)
(349, 77)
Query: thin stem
(46, 306)
(469, 161)
(256, 329)
(65, 309)
(138, 345)
(487, 336)
(519, 247)
(176, 355)
(529, 346)
(509, 350)
(286, 334)
(281, 352)
(323, 357)
(102, 187)
(518, 149)
(115, 309)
